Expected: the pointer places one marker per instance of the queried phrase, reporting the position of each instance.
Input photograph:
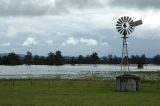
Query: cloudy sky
(77, 26)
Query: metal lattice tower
(125, 60)
(125, 26)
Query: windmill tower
(125, 26)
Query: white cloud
(73, 41)
(29, 41)
(88, 42)
(6, 44)
(70, 41)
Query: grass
(40, 92)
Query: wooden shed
(127, 82)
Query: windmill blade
(118, 24)
(129, 20)
(122, 31)
(119, 30)
(125, 19)
(128, 32)
(119, 27)
(131, 23)
(131, 28)
(120, 21)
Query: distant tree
(80, 59)
(4, 60)
(116, 60)
(94, 58)
(133, 59)
(104, 60)
(36, 60)
(50, 59)
(110, 59)
(143, 59)
(73, 60)
(13, 59)
(156, 59)
(42, 60)
(137, 58)
(87, 59)
(28, 58)
(58, 58)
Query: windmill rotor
(125, 25)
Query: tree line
(58, 59)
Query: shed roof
(127, 76)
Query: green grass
(75, 93)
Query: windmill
(125, 26)
(127, 82)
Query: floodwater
(66, 71)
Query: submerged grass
(58, 92)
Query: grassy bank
(39, 92)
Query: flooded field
(68, 71)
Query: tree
(50, 59)
(110, 59)
(104, 60)
(58, 58)
(156, 59)
(94, 58)
(42, 60)
(143, 59)
(80, 59)
(28, 58)
(116, 60)
(36, 60)
(87, 59)
(4, 60)
(73, 60)
(13, 59)
(133, 59)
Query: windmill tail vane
(136, 23)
